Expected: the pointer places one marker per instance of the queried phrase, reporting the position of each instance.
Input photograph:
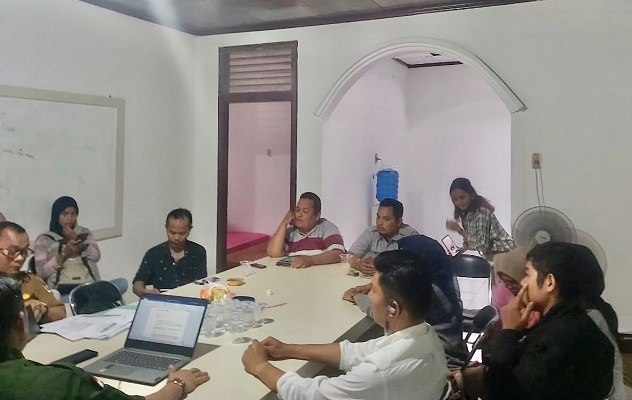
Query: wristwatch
(179, 382)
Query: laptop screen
(169, 320)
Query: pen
(277, 305)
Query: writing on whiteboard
(7, 128)
(18, 153)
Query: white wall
(71, 46)
(258, 183)
(458, 126)
(369, 119)
(435, 124)
(568, 62)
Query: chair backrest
(482, 323)
(469, 266)
(94, 297)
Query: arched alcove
(422, 147)
(348, 78)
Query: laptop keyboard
(143, 360)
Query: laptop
(164, 332)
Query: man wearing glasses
(14, 250)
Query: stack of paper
(100, 326)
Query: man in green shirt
(24, 379)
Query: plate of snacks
(216, 292)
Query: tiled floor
(474, 293)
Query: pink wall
(258, 183)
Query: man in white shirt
(407, 363)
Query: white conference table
(314, 313)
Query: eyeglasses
(14, 253)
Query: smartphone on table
(285, 262)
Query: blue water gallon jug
(387, 184)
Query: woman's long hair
(58, 207)
(477, 201)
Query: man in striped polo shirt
(305, 236)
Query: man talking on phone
(173, 263)
(305, 236)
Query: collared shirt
(159, 269)
(371, 243)
(324, 237)
(409, 364)
(484, 232)
(24, 379)
(34, 288)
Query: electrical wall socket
(536, 161)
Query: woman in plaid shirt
(479, 226)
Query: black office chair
(469, 266)
(94, 297)
(482, 324)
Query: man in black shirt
(564, 356)
(175, 262)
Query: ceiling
(208, 17)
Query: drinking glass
(245, 267)
(345, 261)
(209, 324)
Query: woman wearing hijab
(66, 245)
(592, 286)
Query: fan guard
(587, 240)
(539, 225)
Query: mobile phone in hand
(449, 244)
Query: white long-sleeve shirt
(409, 364)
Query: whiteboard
(55, 144)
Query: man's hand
(39, 308)
(276, 349)
(349, 293)
(255, 357)
(302, 262)
(192, 378)
(288, 219)
(366, 266)
(515, 315)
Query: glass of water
(245, 268)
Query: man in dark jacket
(565, 355)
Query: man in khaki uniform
(24, 379)
(14, 249)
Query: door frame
(225, 98)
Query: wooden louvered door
(256, 143)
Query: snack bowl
(216, 292)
